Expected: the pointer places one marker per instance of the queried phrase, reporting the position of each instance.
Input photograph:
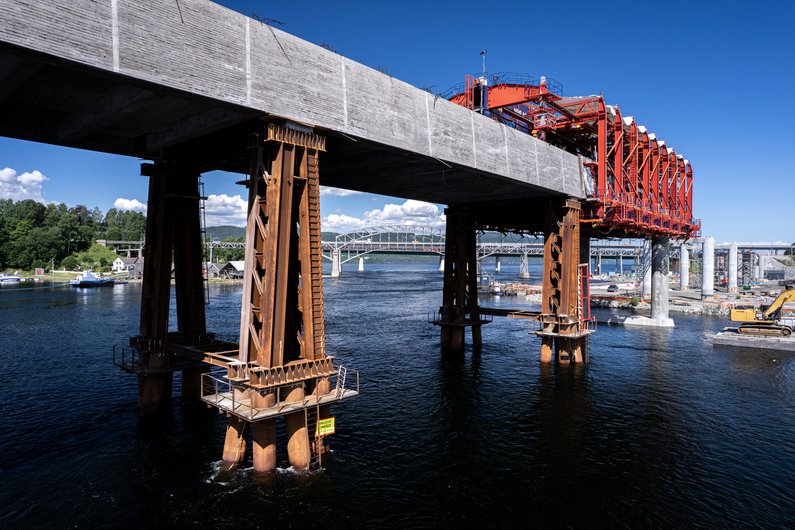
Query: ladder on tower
(315, 255)
(312, 415)
(203, 237)
(341, 375)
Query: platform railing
(234, 397)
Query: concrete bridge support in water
(524, 272)
(659, 275)
(336, 264)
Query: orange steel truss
(638, 186)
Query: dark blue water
(660, 430)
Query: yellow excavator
(764, 320)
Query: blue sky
(715, 80)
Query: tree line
(38, 235)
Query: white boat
(89, 279)
(9, 278)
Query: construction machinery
(764, 320)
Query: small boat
(9, 278)
(88, 279)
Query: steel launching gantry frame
(639, 186)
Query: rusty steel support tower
(563, 328)
(173, 230)
(281, 368)
(459, 308)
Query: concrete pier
(524, 272)
(708, 267)
(732, 266)
(441, 264)
(336, 264)
(361, 265)
(645, 268)
(659, 270)
(684, 267)
(497, 264)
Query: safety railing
(236, 398)
(127, 359)
(455, 315)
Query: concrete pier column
(336, 265)
(620, 264)
(646, 283)
(441, 263)
(297, 435)
(361, 265)
(708, 267)
(763, 261)
(732, 266)
(660, 261)
(684, 267)
(598, 264)
(497, 264)
(524, 272)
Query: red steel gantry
(639, 186)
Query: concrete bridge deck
(163, 79)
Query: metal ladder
(203, 236)
(311, 415)
(343, 373)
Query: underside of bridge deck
(64, 103)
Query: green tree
(70, 263)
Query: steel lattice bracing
(281, 367)
(638, 186)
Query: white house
(132, 266)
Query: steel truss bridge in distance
(426, 240)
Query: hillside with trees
(33, 234)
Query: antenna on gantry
(483, 55)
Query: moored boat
(89, 279)
(9, 278)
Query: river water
(660, 430)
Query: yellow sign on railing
(325, 427)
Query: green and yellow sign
(325, 426)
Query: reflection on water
(659, 430)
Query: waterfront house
(132, 266)
(232, 270)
